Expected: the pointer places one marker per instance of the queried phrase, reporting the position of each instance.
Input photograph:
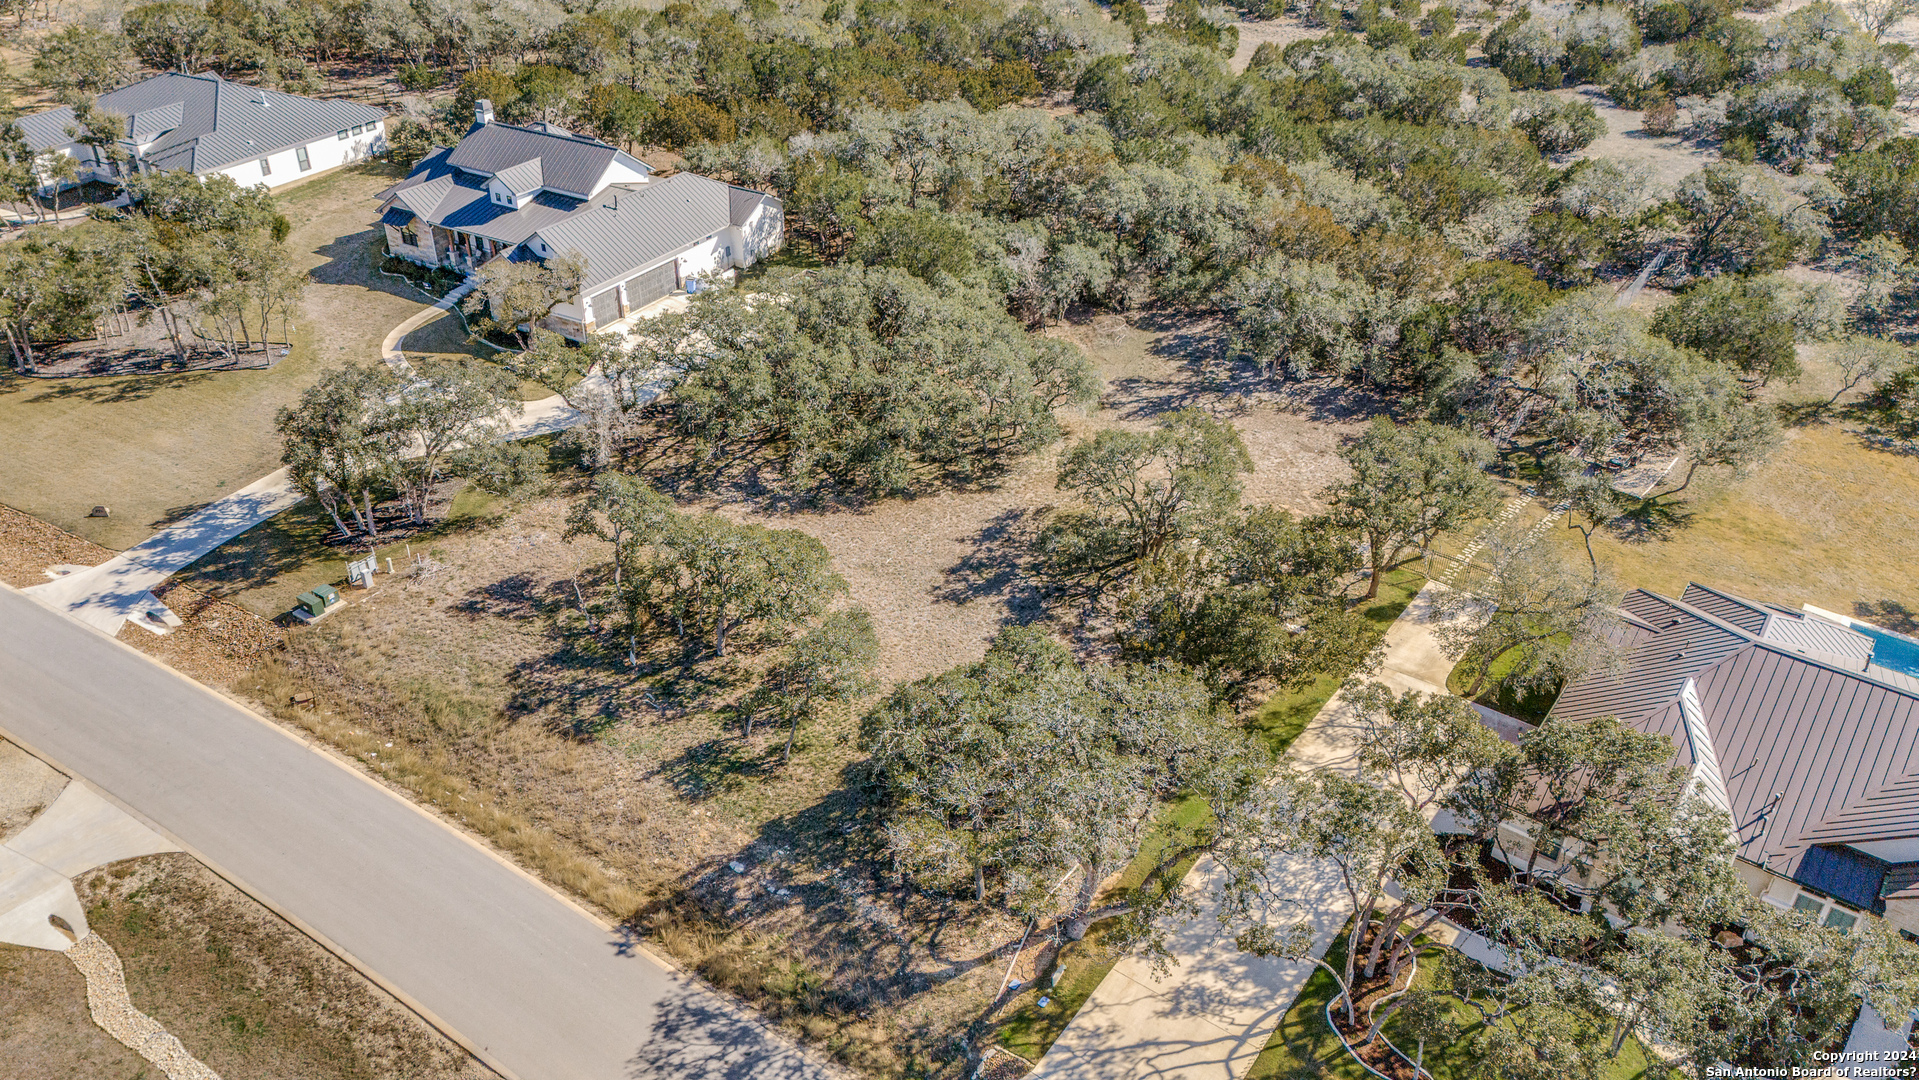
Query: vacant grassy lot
(155, 447)
(1827, 521)
(512, 711)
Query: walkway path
(106, 596)
(1211, 1016)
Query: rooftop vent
(483, 112)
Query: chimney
(483, 112)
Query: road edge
(314, 746)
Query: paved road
(541, 989)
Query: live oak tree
(336, 445)
(80, 62)
(1141, 494)
(830, 666)
(513, 298)
(1591, 500)
(1255, 598)
(1736, 321)
(363, 432)
(1590, 379)
(444, 413)
(624, 511)
(707, 576)
(1027, 778)
(1533, 618)
(1409, 484)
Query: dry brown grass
(155, 447)
(248, 994)
(482, 690)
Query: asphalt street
(540, 988)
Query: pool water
(1890, 650)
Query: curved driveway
(529, 982)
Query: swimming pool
(1890, 650)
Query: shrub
(1660, 117)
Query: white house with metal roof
(536, 192)
(207, 125)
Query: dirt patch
(27, 786)
(217, 642)
(29, 547)
(1667, 159)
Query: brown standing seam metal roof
(1838, 747)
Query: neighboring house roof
(623, 227)
(627, 227)
(201, 123)
(572, 164)
(1808, 751)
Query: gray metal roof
(625, 227)
(630, 226)
(203, 122)
(1811, 752)
(567, 163)
(522, 178)
(1796, 630)
(741, 202)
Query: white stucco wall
(760, 235)
(328, 152)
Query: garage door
(605, 307)
(644, 288)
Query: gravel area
(114, 1012)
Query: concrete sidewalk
(1210, 1017)
(106, 596)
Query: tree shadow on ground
(698, 1033)
(1890, 614)
(112, 390)
(995, 568)
(262, 554)
(1658, 517)
(354, 259)
(716, 767)
(174, 514)
(1213, 376)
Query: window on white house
(410, 236)
(343, 134)
(300, 155)
(1825, 912)
(266, 167)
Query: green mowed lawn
(153, 448)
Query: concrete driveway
(528, 981)
(1211, 1016)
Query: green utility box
(312, 603)
(327, 593)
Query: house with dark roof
(535, 192)
(207, 125)
(1803, 726)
